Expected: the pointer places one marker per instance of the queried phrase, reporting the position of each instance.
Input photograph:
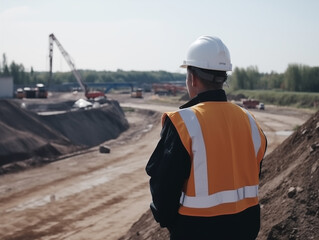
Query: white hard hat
(208, 53)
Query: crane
(88, 94)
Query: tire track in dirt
(62, 215)
(61, 221)
(97, 210)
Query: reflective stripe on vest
(215, 199)
(254, 132)
(198, 149)
(202, 199)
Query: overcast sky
(154, 35)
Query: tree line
(23, 78)
(297, 77)
(17, 71)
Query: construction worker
(205, 169)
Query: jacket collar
(208, 96)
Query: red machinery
(167, 88)
(250, 103)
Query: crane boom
(88, 94)
(67, 57)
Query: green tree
(292, 78)
(239, 77)
(314, 76)
(5, 67)
(18, 73)
(91, 78)
(253, 77)
(15, 73)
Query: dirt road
(94, 195)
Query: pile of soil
(32, 139)
(288, 191)
(90, 127)
(24, 135)
(290, 186)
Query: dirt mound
(90, 127)
(146, 228)
(23, 135)
(288, 191)
(289, 186)
(26, 135)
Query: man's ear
(194, 80)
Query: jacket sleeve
(266, 145)
(169, 167)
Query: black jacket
(169, 167)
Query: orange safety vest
(226, 146)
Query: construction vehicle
(88, 93)
(20, 93)
(167, 88)
(261, 106)
(250, 103)
(39, 91)
(138, 93)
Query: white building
(6, 87)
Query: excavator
(88, 93)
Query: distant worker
(205, 169)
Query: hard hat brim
(184, 65)
(216, 68)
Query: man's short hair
(210, 78)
